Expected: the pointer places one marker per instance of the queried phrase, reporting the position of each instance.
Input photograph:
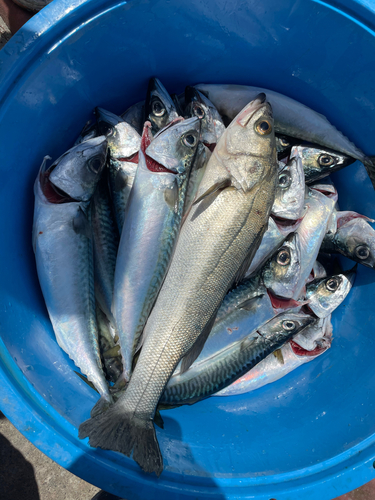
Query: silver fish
(151, 226)
(276, 233)
(221, 232)
(319, 162)
(326, 294)
(311, 232)
(124, 143)
(290, 193)
(221, 370)
(159, 106)
(354, 238)
(63, 250)
(292, 118)
(316, 338)
(212, 126)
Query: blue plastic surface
(309, 436)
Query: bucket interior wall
(102, 54)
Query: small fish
(326, 294)
(212, 126)
(319, 162)
(290, 193)
(226, 223)
(292, 119)
(159, 106)
(221, 370)
(151, 226)
(316, 338)
(354, 238)
(123, 143)
(62, 242)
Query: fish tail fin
(369, 164)
(118, 431)
(100, 406)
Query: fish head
(281, 273)
(284, 144)
(212, 126)
(325, 294)
(356, 240)
(247, 149)
(286, 324)
(159, 106)
(290, 192)
(313, 340)
(175, 146)
(123, 140)
(77, 172)
(319, 162)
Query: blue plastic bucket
(311, 435)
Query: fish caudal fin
(115, 430)
(99, 407)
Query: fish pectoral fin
(158, 419)
(197, 347)
(215, 189)
(171, 196)
(250, 304)
(121, 181)
(249, 257)
(279, 355)
(81, 225)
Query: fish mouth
(283, 224)
(281, 303)
(134, 158)
(247, 113)
(300, 351)
(52, 193)
(146, 139)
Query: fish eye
(157, 108)
(332, 284)
(289, 325)
(283, 142)
(189, 140)
(199, 112)
(263, 127)
(325, 160)
(95, 164)
(283, 258)
(285, 180)
(362, 252)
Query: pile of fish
(177, 245)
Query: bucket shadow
(17, 478)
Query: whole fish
(62, 244)
(217, 240)
(292, 118)
(276, 233)
(151, 226)
(159, 106)
(354, 238)
(123, 143)
(221, 370)
(311, 232)
(105, 245)
(307, 345)
(212, 126)
(325, 294)
(319, 162)
(290, 193)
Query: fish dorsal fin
(249, 257)
(197, 347)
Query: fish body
(123, 143)
(226, 366)
(222, 230)
(307, 345)
(151, 226)
(64, 256)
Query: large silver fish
(218, 239)
(307, 345)
(292, 118)
(62, 243)
(151, 226)
(123, 143)
(222, 369)
(354, 238)
(319, 162)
